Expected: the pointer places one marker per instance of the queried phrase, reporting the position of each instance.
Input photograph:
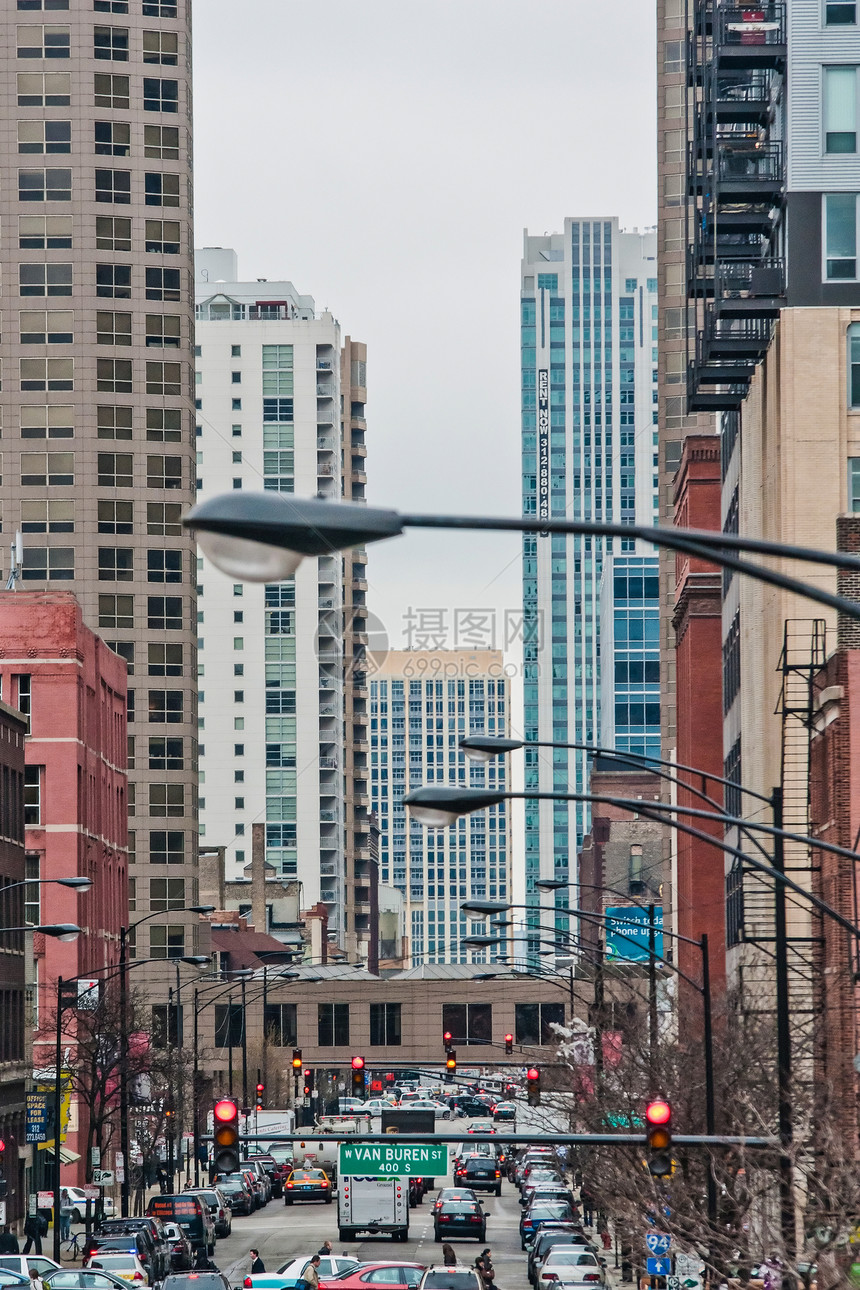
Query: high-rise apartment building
(630, 654)
(282, 707)
(589, 354)
(422, 703)
(97, 397)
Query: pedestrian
(66, 1212)
(311, 1276)
(487, 1272)
(586, 1199)
(449, 1258)
(257, 1264)
(33, 1233)
(36, 1282)
(8, 1242)
(162, 1179)
(325, 1249)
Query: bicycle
(74, 1245)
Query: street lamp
(263, 537)
(77, 883)
(61, 931)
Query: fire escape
(736, 57)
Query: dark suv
(142, 1236)
(482, 1173)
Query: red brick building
(699, 895)
(72, 690)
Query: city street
(281, 1233)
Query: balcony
(325, 391)
(325, 469)
(750, 289)
(750, 37)
(329, 763)
(741, 99)
(749, 172)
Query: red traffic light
(509, 1039)
(658, 1112)
(533, 1073)
(225, 1111)
(2, 1146)
(358, 1063)
(307, 1073)
(261, 1088)
(447, 1037)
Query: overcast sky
(385, 156)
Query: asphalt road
(282, 1232)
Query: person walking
(486, 1271)
(257, 1264)
(311, 1275)
(33, 1233)
(36, 1282)
(449, 1258)
(66, 1211)
(586, 1199)
(8, 1242)
(325, 1249)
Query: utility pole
(783, 1037)
(652, 995)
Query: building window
(160, 8)
(163, 378)
(33, 890)
(229, 1025)
(167, 846)
(166, 707)
(111, 91)
(54, 422)
(113, 186)
(166, 754)
(44, 232)
(469, 1023)
(47, 373)
(840, 13)
(113, 281)
(116, 611)
(166, 893)
(163, 424)
(40, 469)
(385, 1024)
(49, 564)
(533, 1023)
(332, 1025)
(164, 613)
(279, 1023)
(164, 660)
(840, 109)
(854, 485)
(53, 327)
(113, 233)
(116, 564)
(160, 190)
(166, 799)
(51, 185)
(163, 519)
(161, 47)
(111, 44)
(43, 516)
(44, 89)
(114, 375)
(167, 942)
(162, 284)
(165, 1025)
(162, 236)
(161, 141)
(112, 139)
(44, 136)
(113, 328)
(163, 472)
(114, 422)
(840, 236)
(33, 776)
(160, 95)
(164, 566)
(854, 365)
(115, 470)
(45, 279)
(44, 42)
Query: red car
(372, 1276)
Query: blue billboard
(627, 933)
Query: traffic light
(226, 1124)
(309, 1082)
(358, 1077)
(450, 1065)
(658, 1119)
(297, 1060)
(509, 1045)
(447, 1040)
(261, 1089)
(533, 1085)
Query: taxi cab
(307, 1184)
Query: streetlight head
(60, 931)
(201, 909)
(486, 747)
(196, 960)
(77, 884)
(485, 907)
(263, 537)
(439, 805)
(479, 942)
(552, 884)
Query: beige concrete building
(97, 397)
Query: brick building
(14, 1063)
(72, 691)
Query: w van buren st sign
(379, 1159)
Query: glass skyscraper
(589, 366)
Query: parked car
(331, 1265)
(553, 1189)
(151, 1242)
(83, 1279)
(459, 1217)
(549, 1211)
(154, 1256)
(550, 1237)
(128, 1267)
(79, 1200)
(378, 1276)
(457, 1277)
(270, 1165)
(439, 1109)
(308, 1184)
(21, 1263)
(237, 1191)
(181, 1253)
(261, 1174)
(219, 1208)
(571, 1266)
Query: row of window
(470, 1023)
(149, 8)
(113, 233)
(114, 470)
(113, 376)
(113, 281)
(54, 184)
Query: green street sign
(378, 1159)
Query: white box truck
(372, 1205)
